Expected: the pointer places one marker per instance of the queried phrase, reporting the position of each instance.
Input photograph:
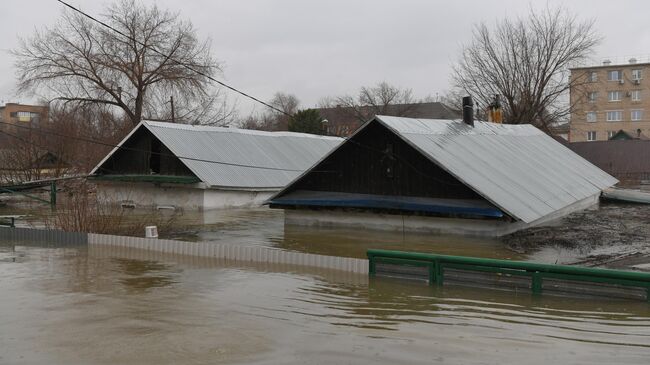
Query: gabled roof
(342, 118)
(238, 158)
(518, 168)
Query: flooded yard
(96, 306)
(91, 305)
(612, 235)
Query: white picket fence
(233, 252)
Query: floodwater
(90, 305)
(266, 227)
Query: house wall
(191, 197)
(215, 199)
(150, 195)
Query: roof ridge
(205, 128)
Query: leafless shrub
(81, 211)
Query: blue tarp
(306, 198)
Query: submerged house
(443, 176)
(198, 167)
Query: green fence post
(432, 272)
(53, 193)
(439, 275)
(536, 284)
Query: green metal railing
(15, 190)
(436, 266)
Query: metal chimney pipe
(468, 111)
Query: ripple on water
(78, 308)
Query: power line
(89, 140)
(174, 60)
(237, 91)
(348, 139)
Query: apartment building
(609, 98)
(17, 119)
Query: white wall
(234, 198)
(191, 197)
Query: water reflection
(143, 275)
(355, 243)
(266, 227)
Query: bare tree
(288, 103)
(274, 120)
(73, 140)
(212, 109)
(527, 62)
(80, 61)
(382, 98)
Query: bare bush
(81, 211)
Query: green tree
(307, 121)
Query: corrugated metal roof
(240, 158)
(518, 168)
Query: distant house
(625, 136)
(198, 167)
(17, 119)
(343, 121)
(560, 130)
(443, 176)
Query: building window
(614, 115)
(593, 76)
(24, 116)
(592, 117)
(636, 115)
(591, 136)
(614, 95)
(636, 74)
(610, 134)
(636, 95)
(614, 75)
(592, 96)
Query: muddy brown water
(85, 305)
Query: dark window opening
(154, 159)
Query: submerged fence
(514, 275)
(236, 252)
(434, 269)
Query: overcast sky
(323, 48)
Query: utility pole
(171, 101)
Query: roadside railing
(513, 275)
